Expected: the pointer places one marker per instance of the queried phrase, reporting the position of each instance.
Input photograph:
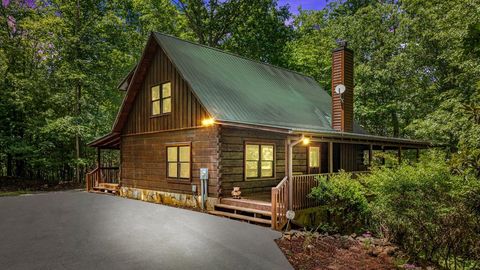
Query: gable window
(178, 162)
(314, 159)
(259, 160)
(161, 98)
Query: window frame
(309, 168)
(178, 162)
(160, 99)
(259, 162)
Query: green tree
(254, 29)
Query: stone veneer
(168, 198)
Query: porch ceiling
(356, 138)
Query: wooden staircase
(106, 188)
(251, 211)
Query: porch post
(98, 157)
(290, 174)
(290, 169)
(330, 157)
(370, 153)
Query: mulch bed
(305, 250)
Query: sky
(305, 4)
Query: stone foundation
(168, 198)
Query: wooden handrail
(279, 204)
(102, 175)
(282, 183)
(91, 177)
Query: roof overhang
(109, 141)
(123, 85)
(354, 138)
(338, 137)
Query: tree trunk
(77, 135)
(9, 165)
(395, 124)
(19, 168)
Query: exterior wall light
(306, 141)
(207, 122)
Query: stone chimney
(342, 74)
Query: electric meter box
(203, 173)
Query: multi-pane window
(161, 98)
(259, 160)
(178, 162)
(313, 158)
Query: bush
(430, 212)
(344, 201)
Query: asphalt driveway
(79, 230)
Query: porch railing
(102, 175)
(302, 186)
(280, 204)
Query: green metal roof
(240, 90)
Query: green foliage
(427, 210)
(60, 63)
(251, 28)
(345, 202)
(412, 58)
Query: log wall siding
(342, 73)
(232, 172)
(186, 109)
(144, 160)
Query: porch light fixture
(207, 122)
(306, 141)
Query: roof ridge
(236, 55)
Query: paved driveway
(79, 230)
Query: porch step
(243, 209)
(106, 187)
(241, 217)
(250, 204)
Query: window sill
(159, 115)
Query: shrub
(344, 202)
(430, 212)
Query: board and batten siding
(145, 137)
(144, 159)
(186, 109)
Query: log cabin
(196, 122)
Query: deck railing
(302, 186)
(102, 175)
(280, 204)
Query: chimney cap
(341, 43)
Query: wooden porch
(271, 208)
(103, 179)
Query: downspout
(291, 144)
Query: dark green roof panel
(236, 89)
